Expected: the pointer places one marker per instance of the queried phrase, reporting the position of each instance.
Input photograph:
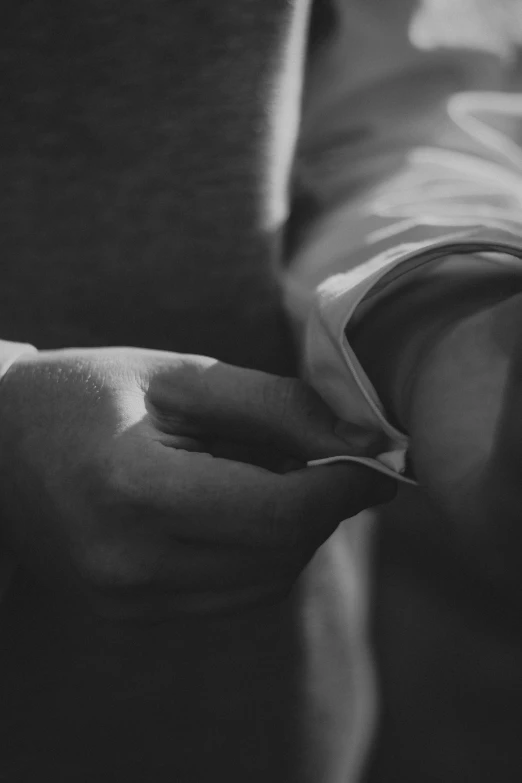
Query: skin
(447, 586)
(140, 215)
(452, 385)
(143, 156)
(166, 482)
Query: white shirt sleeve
(330, 364)
(9, 353)
(408, 149)
(407, 156)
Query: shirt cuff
(10, 352)
(331, 366)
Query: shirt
(409, 150)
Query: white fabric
(10, 352)
(330, 364)
(410, 136)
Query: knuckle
(188, 394)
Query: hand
(128, 475)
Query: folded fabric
(330, 364)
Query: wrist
(396, 337)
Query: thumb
(251, 406)
(319, 498)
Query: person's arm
(396, 335)
(400, 169)
(416, 247)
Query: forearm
(394, 338)
(445, 359)
(398, 181)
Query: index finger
(212, 500)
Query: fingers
(261, 456)
(316, 500)
(210, 500)
(211, 398)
